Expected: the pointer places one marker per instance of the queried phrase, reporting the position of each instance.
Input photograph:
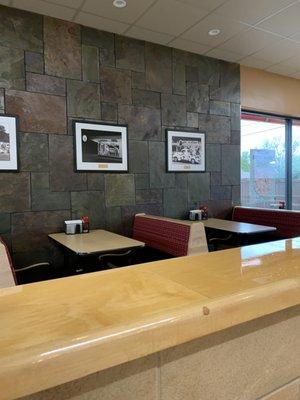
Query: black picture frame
(185, 157)
(9, 147)
(111, 140)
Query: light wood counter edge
(70, 361)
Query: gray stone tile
(36, 111)
(15, 192)
(120, 189)
(209, 71)
(141, 181)
(5, 223)
(104, 41)
(192, 120)
(45, 84)
(33, 152)
(43, 200)
(34, 62)
(219, 208)
(235, 113)
(179, 78)
(138, 156)
(197, 98)
(220, 192)
(159, 178)
(91, 204)
(215, 178)
(12, 74)
(130, 53)
(198, 187)
(115, 85)
(173, 110)
(186, 57)
(107, 58)
(20, 29)
(114, 219)
(213, 157)
(175, 202)
(217, 128)
(236, 195)
(138, 80)
(231, 165)
(219, 108)
(40, 181)
(145, 98)
(62, 48)
(95, 181)
(143, 123)
(235, 137)
(90, 63)
(181, 180)
(149, 196)
(229, 89)
(158, 68)
(2, 105)
(192, 74)
(30, 230)
(61, 159)
(109, 112)
(83, 99)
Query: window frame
(288, 150)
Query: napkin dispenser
(195, 215)
(73, 226)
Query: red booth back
(286, 222)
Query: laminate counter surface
(56, 331)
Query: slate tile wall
(52, 72)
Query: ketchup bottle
(85, 224)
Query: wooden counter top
(56, 331)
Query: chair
(12, 276)
(117, 260)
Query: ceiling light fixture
(214, 32)
(119, 3)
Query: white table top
(96, 241)
(236, 227)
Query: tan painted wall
(264, 91)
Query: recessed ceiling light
(214, 32)
(119, 3)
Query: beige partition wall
(268, 92)
(259, 359)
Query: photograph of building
(4, 144)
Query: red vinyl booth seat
(175, 237)
(286, 222)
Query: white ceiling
(259, 33)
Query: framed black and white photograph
(101, 147)
(185, 151)
(8, 143)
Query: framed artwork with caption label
(100, 147)
(185, 151)
(8, 143)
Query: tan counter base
(259, 359)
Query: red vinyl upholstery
(161, 234)
(286, 222)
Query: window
(296, 164)
(270, 161)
